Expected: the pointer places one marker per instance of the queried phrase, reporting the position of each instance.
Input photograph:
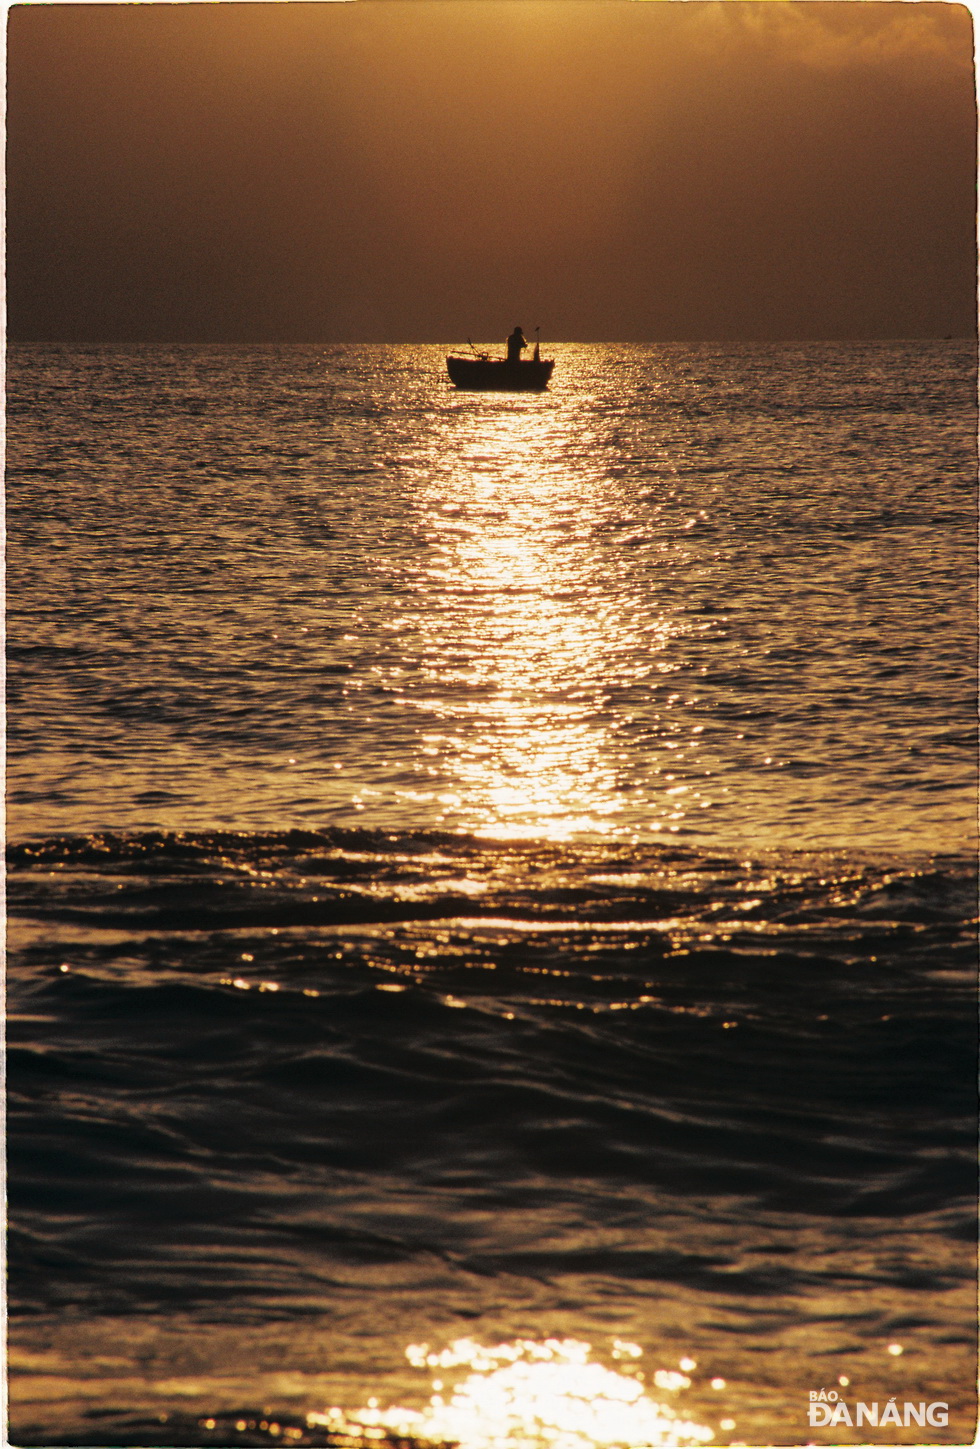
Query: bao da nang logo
(827, 1408)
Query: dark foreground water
(492, 897)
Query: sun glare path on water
(529, 1394)
(521, 650)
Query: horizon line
(438, 342)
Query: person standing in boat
(516, 344)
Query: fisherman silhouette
(516, 344)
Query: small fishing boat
(480, 374)
(483, 373)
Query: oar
(537, 344)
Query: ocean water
(492, 891)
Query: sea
(492, 951)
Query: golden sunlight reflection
(531, 670)
(530, 1394)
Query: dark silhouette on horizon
(516, 344)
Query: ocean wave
(271, 1011)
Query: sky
(428, 170)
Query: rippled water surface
(492, 896)
(721, 594)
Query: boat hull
(478, 374)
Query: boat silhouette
(483, 373)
